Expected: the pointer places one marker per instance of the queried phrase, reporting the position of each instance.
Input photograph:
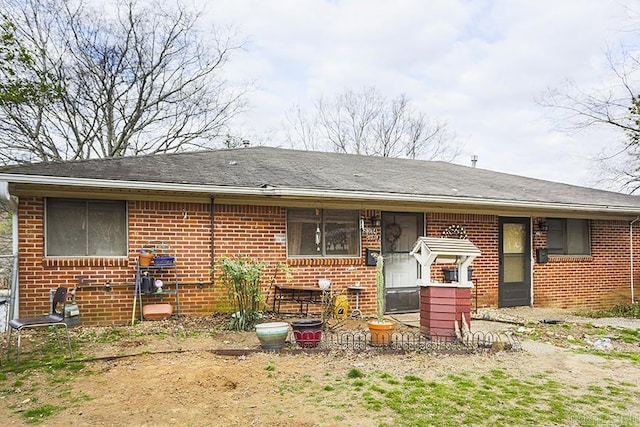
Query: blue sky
(478, 65)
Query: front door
(399, 232)
(515, 262)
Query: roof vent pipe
(474, 160)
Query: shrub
(243, 280)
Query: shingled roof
(286, 171)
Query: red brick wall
(597, 281)
(259, 232)
(247, 231)
(482, 230)
(183, 226)
(593, 282)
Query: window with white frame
(76, 227)
(569, 236)
(323, 233)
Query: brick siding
(597, 281)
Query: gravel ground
(503, 319)
(525, 315)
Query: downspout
(212, 222)
(631, 254)
(12, 206)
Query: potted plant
(381, 329)
(158, 255)
(145, 257)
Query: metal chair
(55, 318)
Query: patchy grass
(583, 338)
(629, 336)
(40, 387)
(30, 377)
(490, 398)
(620, 310)
(101, 336)
(44, 365)
(626, 310)
(40, 413)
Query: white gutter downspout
(631, 253)
(7, 200)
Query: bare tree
(616, 106)
(136, 79)
(367, 123)
(300, 129)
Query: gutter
(309, 193)
(631, 254)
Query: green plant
(626, 310)
(36, 415)
(380, 288)
(243, 280)
(159, 249)
(620, 310)
(355, 373)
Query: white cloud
(477, 64)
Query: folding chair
(55, 318)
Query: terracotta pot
(307, 332)
(145, 260)
(272, 335)
(381, 333)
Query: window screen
(568, 236)
(85, 228)
(323, 232)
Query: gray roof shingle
(260, 167)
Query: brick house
(83, 224)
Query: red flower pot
(307, 332)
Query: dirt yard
(167, 373)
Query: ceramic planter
(307, 332)
(381, 332)
(272, 335)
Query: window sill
(324, 261)
(570, 258)
(86, 262)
